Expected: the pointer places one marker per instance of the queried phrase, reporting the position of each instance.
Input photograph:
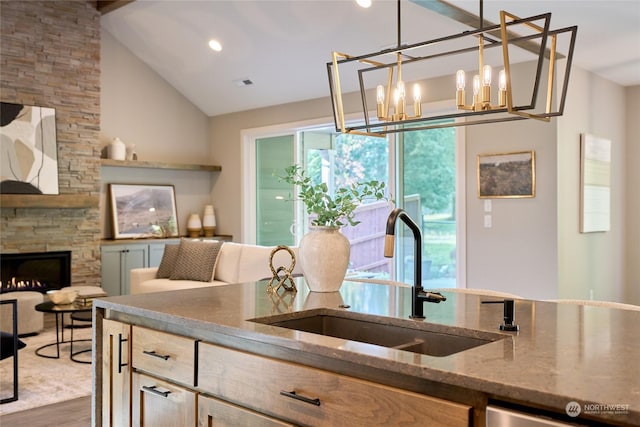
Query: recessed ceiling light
(215, 45)
(364, 3)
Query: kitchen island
(199, 354)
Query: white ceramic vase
(117, 149)
(194, 225)
(324, 258)
(209, 221)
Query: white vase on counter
(324, 258)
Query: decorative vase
(209, 221)
(130, 151)
(324, 258)
(194, 225)
(117, 150)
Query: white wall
(632, 196)
(518, 253)
(591, 264)
(139, 107)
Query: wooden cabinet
(165, 355)
(178, 380)
(116, 373)
(117, 262)
(158, 403)
(312, 396)
(216, 412)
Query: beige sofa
(235, 263)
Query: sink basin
(408, 335)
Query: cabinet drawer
(215, 412)
(158, 403)
(311, 396)
(166, 355)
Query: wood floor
(72, 413)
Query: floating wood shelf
(61, 201)
(158, 165)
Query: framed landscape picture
(508, 175)
(143, 211)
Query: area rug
(44, 381)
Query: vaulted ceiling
(282, 47)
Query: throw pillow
(168, 262)
(196, 260)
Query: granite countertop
(563, 352)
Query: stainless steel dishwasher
(501, 417)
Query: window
(423, 170)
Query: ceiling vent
(243, 82)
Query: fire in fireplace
(36, 271)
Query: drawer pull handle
(154, 389)
(120, 364)
(294, 395)
(154, 354)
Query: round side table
(59, 310)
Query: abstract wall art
(28, 157)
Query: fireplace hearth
(35, 271)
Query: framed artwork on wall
(29, 155)
(139, 211)
(507, 175)
(595, 184)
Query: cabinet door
(116, 373)
(134, 256)
(158, 403)
(117, 262)
(111, 266)
(215, 412)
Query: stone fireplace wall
(50, 57)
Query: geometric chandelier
(393, 83)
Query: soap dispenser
(508, 316)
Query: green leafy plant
(336, 210)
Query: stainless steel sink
(408, 335)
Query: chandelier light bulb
(460, 80)
(502, 86)
(476, 84)
(502, 80)
(486, 75)
(417, 96)
(380, 94)
(364, 3)
(417, 99)
(401, 91)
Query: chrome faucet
(419, 295)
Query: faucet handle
(432, 296)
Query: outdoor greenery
(332, 209)
(432, 174)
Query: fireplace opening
(36, 271)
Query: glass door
(427, 190)
(274, 217)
